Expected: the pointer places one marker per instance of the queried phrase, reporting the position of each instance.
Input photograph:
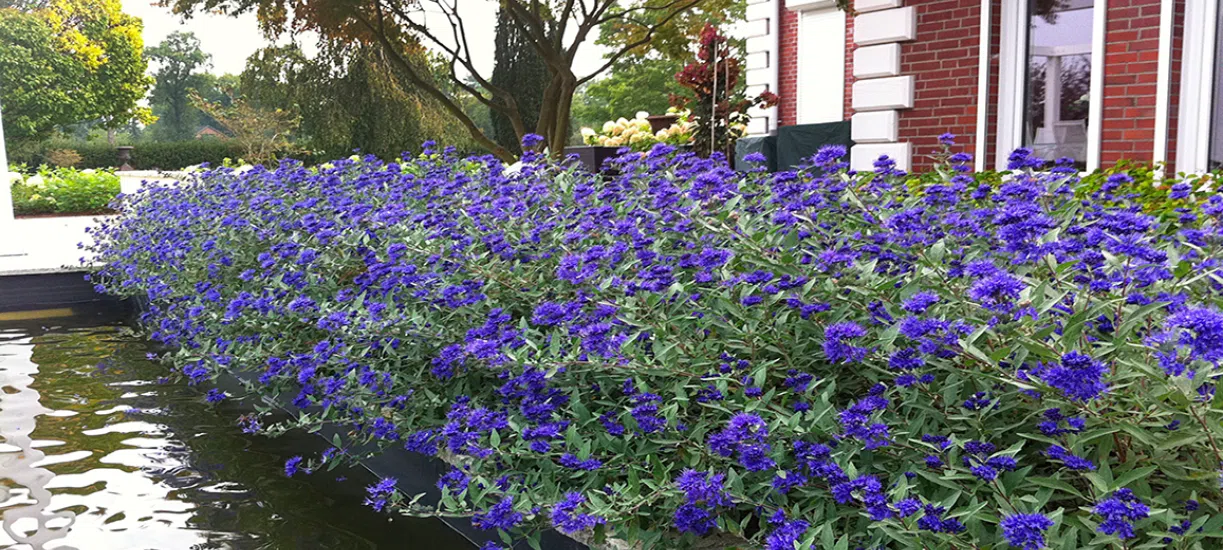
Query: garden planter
(592, 156)
(661, 122)
(125, 157)
(569, 324)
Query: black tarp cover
(766, 145)
(796, 144)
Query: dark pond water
(96, 454)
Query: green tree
(644, 78)
(178, 58)
(556, 30)
(69, 61)
(643, 85)
(521, 71)
(216, 89)
(263, 133)
(672, 41)
(349, 97)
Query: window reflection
(1059, 78)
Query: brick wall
(1131, 61)
(945, 61)
(787, 76)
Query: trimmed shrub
(63, 158)
(66, 191)
(682, 355)
(29, 200)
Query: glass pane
(1059, 52)
(1216, 126)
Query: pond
(98, 451)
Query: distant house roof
(210, 132)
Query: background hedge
(170, 155)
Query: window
(1051, 42)
(1198, 139)
(1058, 83)
(821, 65)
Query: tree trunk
(560, 131)
(547, 109)
(554, 114)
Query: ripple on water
(95, 455)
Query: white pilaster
(880, 90)
(763, 49)
(877, 61)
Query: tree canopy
(179, 60)
(348, 97)
(672, 41)
(555, 29)
(520, 70)
(68, 61)
(643, 85)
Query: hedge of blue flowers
(684, 355)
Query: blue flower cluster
(1120, 511)
(1026, 531)
(676, 353)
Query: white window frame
(806, 59)
(1013, 77)
(1197, 86)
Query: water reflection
(26, 518)
(96, 455)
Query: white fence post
(9, 245)
(6, 190)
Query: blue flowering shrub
(685, 356)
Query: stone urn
(661, 122)
(125, 157)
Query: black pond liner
(416, 473)
(51, 290)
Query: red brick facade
(1131, 67)
(944, 58)
(787, 71)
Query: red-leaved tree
(718, 102)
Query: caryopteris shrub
(685, 355)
